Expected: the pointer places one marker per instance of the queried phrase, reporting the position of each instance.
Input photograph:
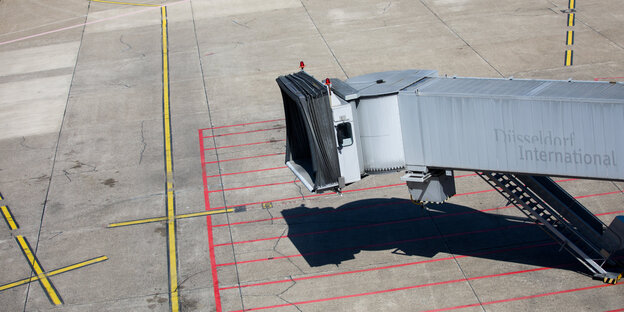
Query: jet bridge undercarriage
(513, 133)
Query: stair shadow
(334, 235)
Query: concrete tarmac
(168, 112)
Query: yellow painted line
(34, 264)
(1, 198)
(180, 216)
(55, 272)
(570, 19)
(570, 37)
(572, 4)
(171, 222)
(568, 57)
(142, 221)
(8, 217)
(127, 3)
(203, 213)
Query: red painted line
(299, 197)
(494, 251)
(205, 181)
(312, 213)
(601, 194)
(366, 225)
(211, 252)
(387, 223)
(246, 144)
(566, 180)
(247, 187)
(244, 132)
(243, 172)
(476, 192)
(608, 213)
(388, 243)
(607, 78)
(618, 310)
(379, 244)
(242, 158)
(371, 188)
(523, 298)
(407, 288)
(213, 261)
(465, 175)
(384, 223)
(244, 124)
(332, 211)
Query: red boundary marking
(309, 214)
(243, 172)
(617, 310)
(436, 284)
(448, 282)
(608, 213)
(398, 221)
(367, 225)
(243, 132)
(299, 197)
(242, 158)
(379, 244)
(213, 261)
(395, 221)
(607, 78)
(394, 242)
(522, 298)
(333, 193)
(242, 124)
(246, 144)
(251, 186)
(607, 193)
(494, 251)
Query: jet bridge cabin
(514, 133)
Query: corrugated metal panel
(564, 129)
(520, 88)
(585, 90)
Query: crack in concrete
(299, 187)
(323, 38)
(435, 224)
(23, 144)
(129, 47)
(67, 175)
(387, 7)
(287, 289)
(142, 142)
(284, 255)
(56, 153)
(271, 217)
(460, 37)
(188, 277)
(241, 24)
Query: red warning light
(327, 82)
(301, 65)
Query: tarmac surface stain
(110, 182)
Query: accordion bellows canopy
(310, 144)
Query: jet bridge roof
(571, 90)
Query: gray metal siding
(492, 126)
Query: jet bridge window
(344, 134)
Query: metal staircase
(563, 218)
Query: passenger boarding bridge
(514, 133)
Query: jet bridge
(513, 132)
